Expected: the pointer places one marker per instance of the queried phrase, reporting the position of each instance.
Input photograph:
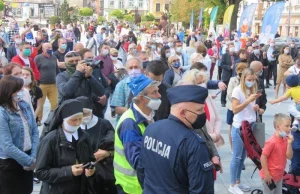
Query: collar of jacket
(65, 143)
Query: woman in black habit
(63, 152)
(102, 137)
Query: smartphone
(35, 27)
(271, 185)
(259, 91)
(218, 92)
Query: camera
(94, 64)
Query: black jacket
(294, 53)
(253, 57)
(102, 136)
(11, 52)
(163, 111)
(262, 100)
(226, 64)
(54, 164)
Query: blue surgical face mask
(282, 134)
(176, 65)
(49, 52)
(249, 84)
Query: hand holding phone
(271, 185)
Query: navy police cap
(187, 93)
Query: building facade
(158, 6)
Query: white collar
(69, 135)
(148, 117)
(91, 124)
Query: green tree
(129, 18)
(101, 19)
(65, 16)
(2, 6)
(86, 11)
(54, 20)
(117, 13)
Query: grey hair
(144, 92)
(134, 58)
(183, 83)
(279, 118)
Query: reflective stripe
(128, 172)
(119, 151)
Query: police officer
(173, 158)
(130, 130)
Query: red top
(275, 151)
(17, 59)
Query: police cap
(187, 93)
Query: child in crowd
(293, 91)
(273, 159)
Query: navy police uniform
(174, 159)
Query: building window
(157, 7)
(167, 7)
(111, 4)
(121, 4)
(131, 4)
(141, 2)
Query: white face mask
(19, 96)
(105, 52)
(232, 49)
(168, 55)
(153, 104)
(272, 44)
(27, 81)
(286, 51)
(18, 41)
(114, 58)
(69, 128)
(87, 119)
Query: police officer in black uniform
(174, 159)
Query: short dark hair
(199, 66)
(83, 51)
(103, 28)
(156, 67)
(9, 85)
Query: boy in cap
(174, 159)
(292, 92)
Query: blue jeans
(238, 156)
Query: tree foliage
(54, 20)
(64, 11)
(148, 17)
(129, 18)
(181, 9)
(117, 13)
(86, 11)
(2, 6)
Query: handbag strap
(257, 117)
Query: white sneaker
(244, 188)
(235, 190)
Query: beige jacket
(233, 82)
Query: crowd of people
(167, 130)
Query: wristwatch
(111, 153)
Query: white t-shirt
(26, 61)
(247, 114)
(294, 70)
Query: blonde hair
(171, 59)
(194, 57)
(113, 51)
(240, 67)
(279, 118)
(253, 89)
(193, 74)
(192, 43)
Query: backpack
(252, 147)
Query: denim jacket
(12, 135)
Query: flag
(227, 20)
(271, 22)
(213, 16)
(200, 17)
(246, 19)
(192, 21)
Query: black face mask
(244, 60)
(200, 120)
